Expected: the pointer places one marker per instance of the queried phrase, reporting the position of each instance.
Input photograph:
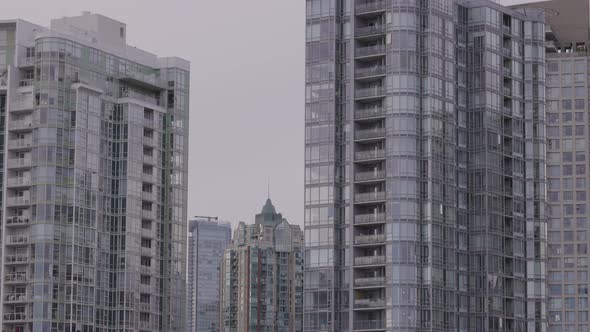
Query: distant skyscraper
(95, 148)
(425, 185)
(568, 162)
(262, 276)
(207, 239)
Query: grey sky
(247, 61)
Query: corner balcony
(16, 278)
(17, 201)
(369, 51)
(369, 260)
(365, 134)
(370, 93)
(16, 221)
(376, 239)
(16, 259)
(20, 125)
(369, 218)
(369, 176)
(15, 317)
(18, 163)
(369, 155)
(373, 6)
(21, 181)
(17, 240)
(369, 325)
(20, 144)
(370, 282)
(369, 197)
(15, 298)
(372, 30)
(368, 113)
(375, 303)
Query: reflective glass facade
(94, 237)
(425, 167)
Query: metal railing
(15, 220)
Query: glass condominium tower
(207, 239)
(425, 167)
(94, 204)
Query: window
(146, 243)
(146, 261)
(145, 279)
(146, 224)
(144, 298)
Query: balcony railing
(369, 218)
(370, 30)
(369, 303)
(370, 133)
(507, 91)
(15, 297)
(17, 201)
(20, 125)
(19, 162)
(369, 260)
(368, 197)
(369, 6)
(368, 155)
(18, 239)
(372, 281)
(364, 113)
(507, 51)
(24, 105)
(16, 221)
(20, 143)
(15, 316)
(369, 92)
(27, 61)
(372, 175)
(369, 239)
(16, 259)
(360, 325)
(507, 71)
(18, 277)
(370, 71)
(369, 50)
(18, 181)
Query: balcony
(362, 134)
(369, 155)
(149, 214)
(15, 317)
(370, 282)
(144, 81)
(369, 197)
(16, 259)
(506, 29)
(23, 105)
(149, 196)
(507, 91)
(21, 181)
(369, 176)
(369, 303)
(16, 163)
(370, 30)
(17, 240)
(367, 113)
(369, 260)
(149, 159)
(370, 71)
(25, 82)
(369, 218)
(368, 51)
(149, 122)
(19, 144)
(369, 6)
(507, 51)
(15, 221)
(17, 201)
(507, 71)
(16, 278)
(15, 298)
(369, 325)
(369, 239)
(20, 125)
(372, 92)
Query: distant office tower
(262, 276)
(95, 163)
(207, 239)
(567, 162)
(425, 185)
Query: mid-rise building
(425, 167)
(262, 276)
(207, 239)
(95, 143)
(568, 157)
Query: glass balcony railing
(369, 71)
(362, 325)
(371, 175)
(369, 50)
(370, 30)
(369, 133)
(369, 239)
(369, 260)
(369, 303)
(368, 197)
(368, 155)
(369, 281)
(363, 7)
(369, 218)
(364, 113)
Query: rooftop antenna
(268, 188)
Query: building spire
(268, 188)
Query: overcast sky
(247, 91)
